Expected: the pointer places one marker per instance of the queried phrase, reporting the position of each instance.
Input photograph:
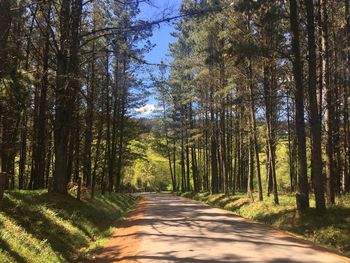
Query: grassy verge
(38, 227)
(331, 230)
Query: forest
(253, 101)
(249, 80)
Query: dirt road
(167, 228)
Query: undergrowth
(40, 227)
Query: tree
(315, 122)
(303, 187)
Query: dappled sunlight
(42, 228)
(24, 244)
(222, 122)
(174, 229)
(330, 230)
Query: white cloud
(147, 109)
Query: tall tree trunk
(67, 84)
(122, 120)
(291, 147)
(303, 187)
(120, 148)
(224, 149)
(5, 24)
(269, 97)
(183, 180)
(254, 131)
(108, 130)
(329, 113)
(193, 150)
(172, 175)
(206, 151)
(250, 184)
(195, 170)
(49, 159)
(346, 174)
(174, 164)
(23, 152)
(188, 176)
(97, 156)
(213, 154)
(40, 154)
(77, 132)
(315, 121)
(63, 114)
(89, 119)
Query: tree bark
(315, 122)
(346, 174)
(329, 112)
(5, 24)
(253, 132)
(303, 187)
(39, 152)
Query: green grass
(40, 227)
(331, 230)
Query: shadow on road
(174, 229)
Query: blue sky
(161, 37)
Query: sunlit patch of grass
(37, 227)
(331, 230)
(17, 245)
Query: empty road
(167, 228)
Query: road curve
(175, 229)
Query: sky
(161, 35)
(161, 38)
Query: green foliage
(14, 91)
(149, 172)
(37, 227)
